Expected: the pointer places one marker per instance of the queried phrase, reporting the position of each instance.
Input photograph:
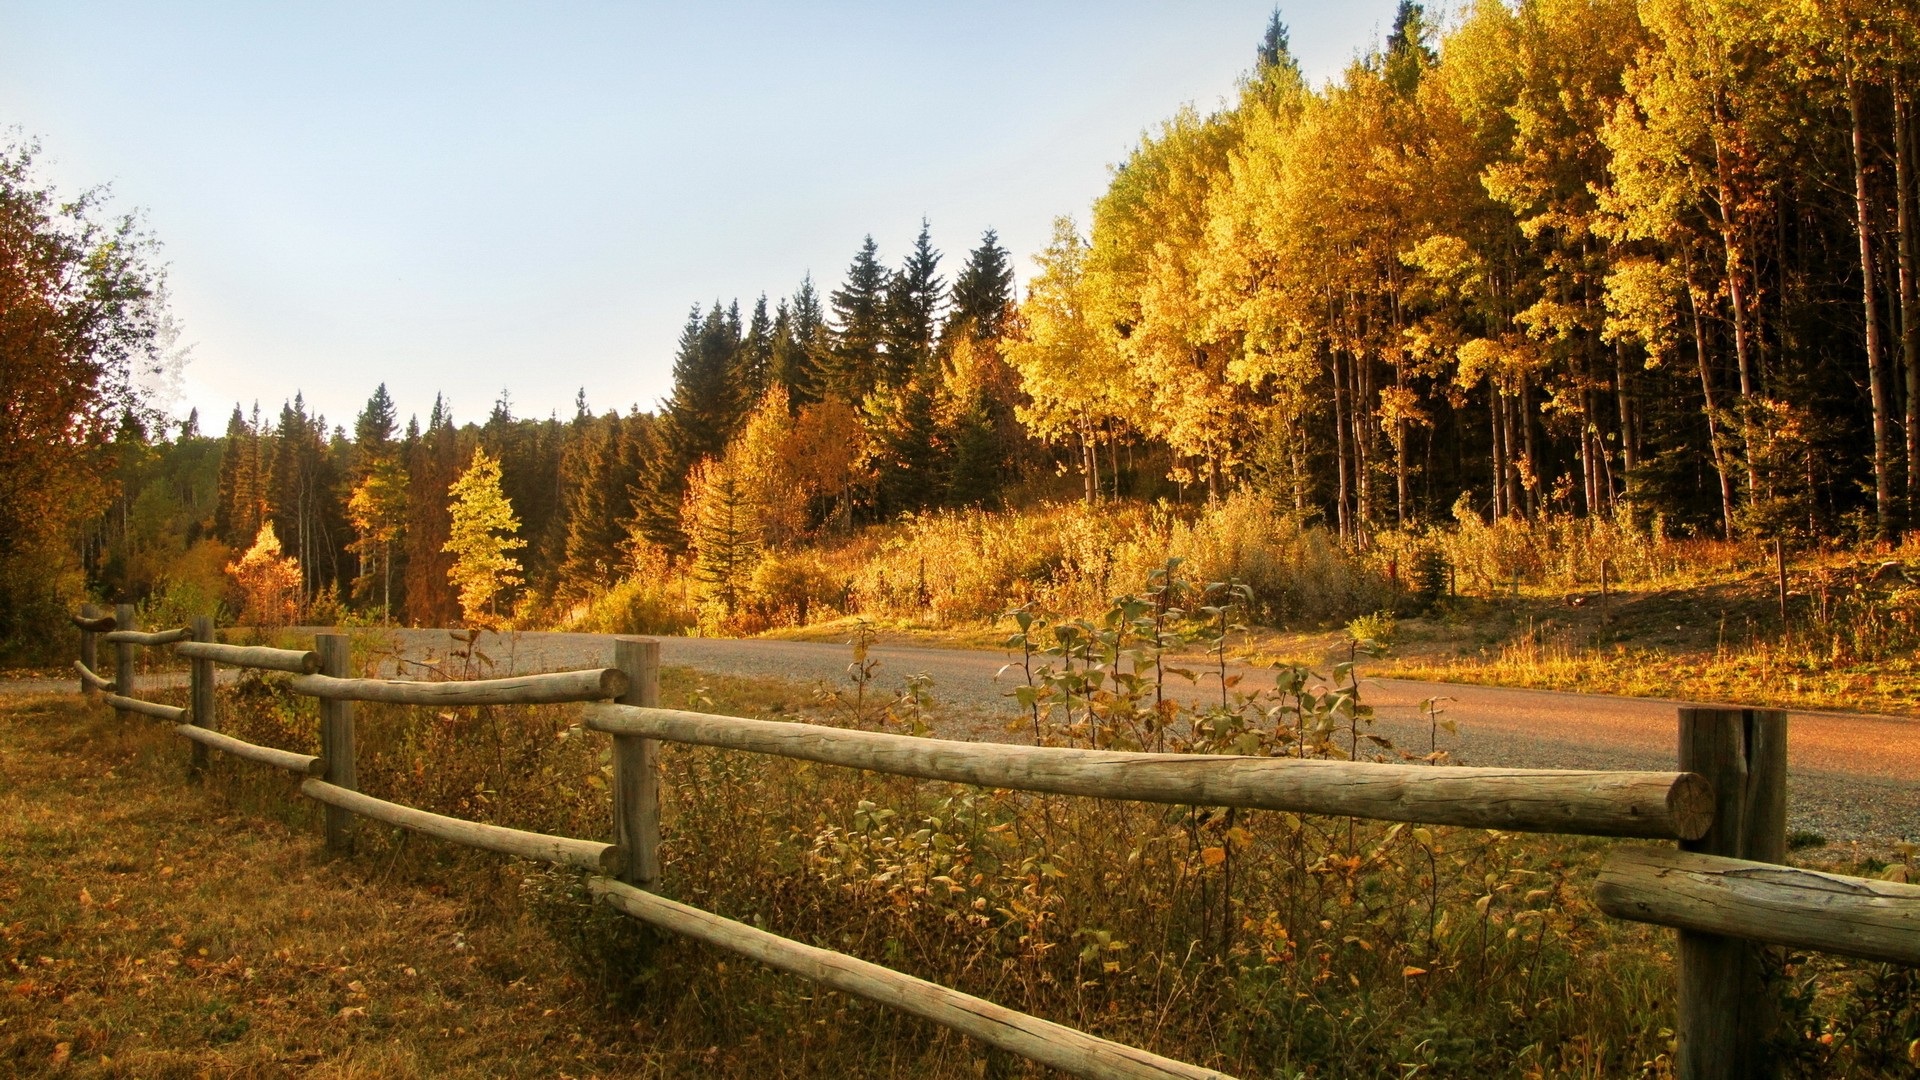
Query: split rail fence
(1722, 888)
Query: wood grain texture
(92, 680)
(337, 738)
(304, 764)
(636, 766)
(596, 684)
(1649, 805)
(1032, 1038)
(158, 637)
(147, 708)
(297, 661)
(1726, 1010)
(1782, 905)
(562, 850)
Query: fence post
(636, 767)
(202, 707)
(89, 646)
(336, 736)
(123, 619)
(1727, 1012)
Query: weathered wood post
(1727, 1011)
(202, 706)
(336, 736)
(636, 767)
(89, 646)
(123, 619)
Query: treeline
(1567, 256)
(796, 418)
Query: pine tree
(480, 538)
(914, 298)
(753, 364)
(373, 428)
(853, 364)
(983, 293)
(1276, 49)
(801, 346)
(239, 510)
(909, 457)
(696, 423)
(722, 525)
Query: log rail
(1723, 907)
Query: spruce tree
(978, 468)
(801, 347)
(860, 324)
(373, 428)
(914, 298)
(696, 423)
(1276, 49)
(753, 364)
(983, 293)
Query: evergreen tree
(909, 456)
(801, 346)
(979, 468)
(853, 364)
(1408, 54)
(914, 298)
(239, 509)
(753, 365)
(373, 429)
(724, 531)
(1275, 49)
(983, 293)
(696, 423)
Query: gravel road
(1851, 776)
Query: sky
(471, 198)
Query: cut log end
(614, 683)
(1690, 806)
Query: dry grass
(152, 927)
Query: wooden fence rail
(1640, 804)
(1724, 892)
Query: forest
(1641, 263)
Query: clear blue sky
(471, 197)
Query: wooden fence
(1722, 888)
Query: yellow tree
(1071, 374)
(1142, 291)
(269, 581)
(378, 510)
(481, 538)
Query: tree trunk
(1712, 410)
(1876, 380)
(1903, 164)
(1340, 448)
(1499, 452)
(1629, 451)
